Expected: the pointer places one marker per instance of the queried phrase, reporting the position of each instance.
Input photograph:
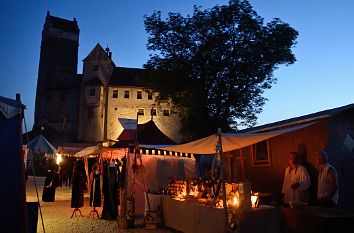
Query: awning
(230, 141)
(106, 152)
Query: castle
(86, 107)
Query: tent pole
(219, 149)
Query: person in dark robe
(51, 182)
(79, 185)
(110, 192)
(95, 186)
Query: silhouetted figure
(110, 192)
(79, 186)
(52, 181)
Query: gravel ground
(56, 215)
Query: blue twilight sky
(322, 77)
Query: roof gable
(97, 53)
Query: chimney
(110, 55)
(18, 96)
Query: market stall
(226, 209)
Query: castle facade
(86, 107)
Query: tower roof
(62, 24)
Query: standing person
(296, 181)
(52, 181)
(327, 190)
(79, 186)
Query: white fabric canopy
(229, 141)
(93, 150)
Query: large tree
(216, 64)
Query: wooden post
(219, 150)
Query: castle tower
(58, 84)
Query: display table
(197, 218)
(313, 219)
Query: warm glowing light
(235, 201)
(254, 200)
(153, 152)
(59, 158)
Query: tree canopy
(216, 64)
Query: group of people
(297, 181)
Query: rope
(33, 172)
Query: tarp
(230, 141)
(13, 192)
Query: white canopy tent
(41, 145)
(229, 141)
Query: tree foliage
(216, 64)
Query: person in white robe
(296, 181)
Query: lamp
(254, 201)
(59, 158)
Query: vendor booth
(13, 193)
(201, 208)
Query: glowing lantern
(59, 159)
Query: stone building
(86, 107)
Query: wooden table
(313, 219)
(197, 218)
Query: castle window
(149, 96)
(92, 92)
(95, 67)
(166, 112)
(153, 112)
(126, 94)
(138, 95)
(115, 94)
(141, 112)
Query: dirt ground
(57, 215)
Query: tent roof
(229, 141)
(40, 144)
(148, 133)
(9, 107)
